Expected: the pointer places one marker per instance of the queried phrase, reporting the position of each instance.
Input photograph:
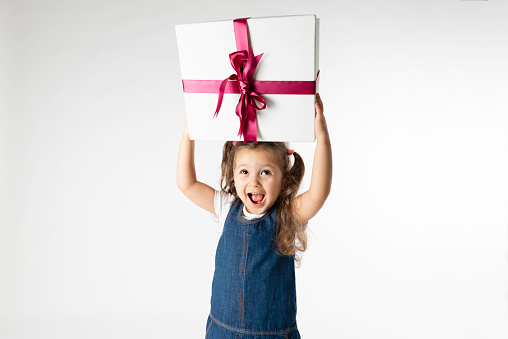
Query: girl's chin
(256, 208)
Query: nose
(253, 180)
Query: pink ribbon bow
(244, 63)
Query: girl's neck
(250, 216)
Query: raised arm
(310, 202)
(198, 192)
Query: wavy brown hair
(291, 236)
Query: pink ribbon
(244, 63)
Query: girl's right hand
(199, 193)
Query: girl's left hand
(320, 127)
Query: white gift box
(289, 45)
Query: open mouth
(256, 198)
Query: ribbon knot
(244, 86)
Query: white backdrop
(96, 241)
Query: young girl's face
(258, 179)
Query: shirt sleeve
(222, 203)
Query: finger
(319, 109)
(318, 98)
(319, 103)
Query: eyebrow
(261, 166)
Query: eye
(244, 172)
(266, 172)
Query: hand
(320, 127)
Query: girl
(253, 288)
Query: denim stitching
(242, 290)
(250, 332)
(208, 328)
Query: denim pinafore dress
(253, 288)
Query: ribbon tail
(250, 128)
(240, 112)
(222, 88)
